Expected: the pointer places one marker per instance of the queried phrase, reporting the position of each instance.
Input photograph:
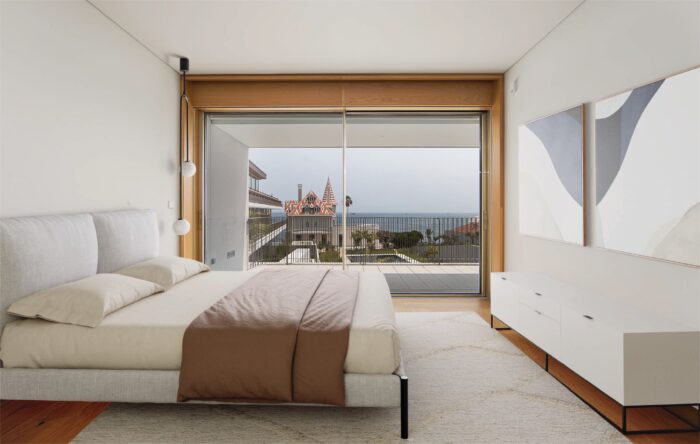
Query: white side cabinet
(635, 357)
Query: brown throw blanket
(282, 336)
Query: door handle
(588, 317)
(502, 278)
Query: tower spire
(328, 195)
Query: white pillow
(165, 271)
(85, 302)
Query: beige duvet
(147, 335)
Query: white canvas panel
(546, 208)
(652, 205)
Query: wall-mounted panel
(647, 148)
(551, 177)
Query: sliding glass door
(397, 193)
(414, 180)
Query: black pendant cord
(184, 146)
(187, 115)
(181, 147)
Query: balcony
(258, 197)
(416, 254)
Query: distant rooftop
(311, 204)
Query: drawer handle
(538, 312)
(588, 317)
(538, 294)
(502, 278)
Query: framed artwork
(647, 170)
(551, 170)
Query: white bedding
(147, 335)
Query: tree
(384, 238)
(449, 238)
(357, 238)
(430, 252)
(369, 236)
(406, 239)
(429, 234)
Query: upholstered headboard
(125, 237)
(44, 251)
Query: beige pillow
(165, 271)
(84, 302)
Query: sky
(380, 180)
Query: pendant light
(181, 227)
(187, 168)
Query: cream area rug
(467, 384)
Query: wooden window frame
(237, 93)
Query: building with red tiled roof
(311, 218)
(311, 204)
(468, 232)
(471, 228)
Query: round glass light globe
(188, 169)
(181, 227)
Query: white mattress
(147, 335)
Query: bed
(135, 354)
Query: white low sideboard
(635, 357)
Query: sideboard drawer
(504, 300)
(594, 350)
(539, 329)
(542, 301)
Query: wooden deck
(414, 278)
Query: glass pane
(414, 181)
(283, 173)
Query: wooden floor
(60, 422)
(45, 421)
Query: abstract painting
(550, 161)
(647, 170)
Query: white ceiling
(339, 36)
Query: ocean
(362, 214)
(437, 223)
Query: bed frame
(44, 251)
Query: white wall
(227, 201)
(603, 48)
(89, 117)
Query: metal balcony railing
(395, 240)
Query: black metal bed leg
(404, 407)
(491, 321)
